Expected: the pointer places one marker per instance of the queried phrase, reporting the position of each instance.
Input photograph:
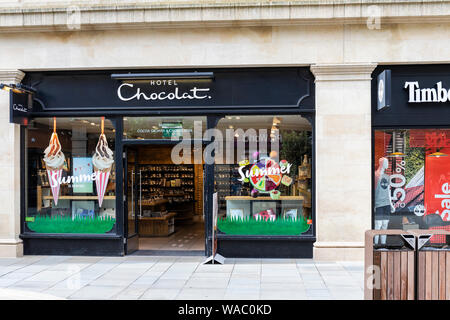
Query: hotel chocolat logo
(421, 95)
(19, 107)
(160, 90)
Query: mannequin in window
(382, 199)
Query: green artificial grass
(251, 226)
(67, 225)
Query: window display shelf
(79, 197)
(264, 198)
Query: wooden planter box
(421, 273)
(390, 272)
(434, 274)
(396, 274)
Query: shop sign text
(128, 92)
(418, 95)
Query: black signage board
(420, 96)
(384, 90)
(20, 106)
(228, 90)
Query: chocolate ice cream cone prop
(54, 161)
(102, 160)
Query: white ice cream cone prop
(54, 176)
(101, 182)
(102, 160)
(54, 161)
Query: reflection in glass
(163, 127)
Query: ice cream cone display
(102, 160)
(54, 161)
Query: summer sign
(265, 175)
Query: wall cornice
(114, 14)
(11, 76)
(343, 72)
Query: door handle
(140, 193)
(132, 193)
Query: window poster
(82, 169)
(437, 189)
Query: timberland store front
(411, 150)
(169, 160)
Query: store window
(412, 176)
(263, 175)
(163, 127)
(70, 179)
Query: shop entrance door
(163, 202)
(131, 196)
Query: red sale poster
(437, 185)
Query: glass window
(412, 176)
(163, 127)
(70, 175)
(263, 175)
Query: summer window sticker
(102, 160)
(54, 161)
(265, 175)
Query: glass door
(131, 197)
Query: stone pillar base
(11, 248)
(338, 251)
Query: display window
(70, 178)
(263, 175)
(412, 176)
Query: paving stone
(168, 284)
(283, 294)
(96, 292)
(207, 283)
(201, 294)
(140, 277)
(160, 294)
(318, 293)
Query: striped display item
(439, 238)
(54, 175)
(101, 182)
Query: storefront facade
(410, 150)
(338, 45)
(76, 200)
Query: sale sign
(437, 188)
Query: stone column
(10, 244)
(343, 159)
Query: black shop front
(169, 161)
(411, 150)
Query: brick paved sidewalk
(141, 277)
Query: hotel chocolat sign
(160, 90)
(270, 89)
(20, 105)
